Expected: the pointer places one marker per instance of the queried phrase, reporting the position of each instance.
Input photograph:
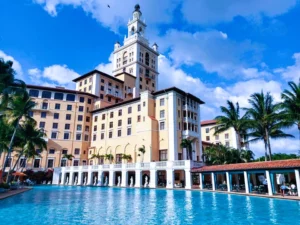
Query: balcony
(129, 91)
(113, 94)
(148, 77)
(189, 133)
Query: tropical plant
(291, 105)
(68, 157)
(232, 119)
(19, 106)
(31, 139)
(109, 157)
(126, 157)
(142, 151)
(279, 156)
(187, 144)
(266, 121)
(8, 83)
(96, 156)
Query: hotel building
(109, 116)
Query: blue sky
(215, 49)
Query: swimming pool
(94, 205)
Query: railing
(130, 165)
(117, 165)
(95, 167)
(197, 164)
(145, 165)
(161, 164)
(106, 166)
(179, 163)
(85, 167)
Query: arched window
(147, 58)
(125, 56)
(132, 30)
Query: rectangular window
(94, 137)
(120, 112)
(80, 118)
(87, 119)
(78, 137)
(102, 136)
(118, 158)
(64, 151)
(34, 93)
(75, 162)
(207, 130)
(163, 155)
(57, 106)
(162, 125)
(51, 151)
(42, 125)
(129, 121)
(22, 162)
(207, 138)
(68, 116)
(86, 137)
(67, 126)
(50, 163)
(79, 127)
(66, 136)
(54, 135)
(77, 151)
(70, 97)
(36, 163)
(55, 125)
(43, 114)
(129, 110)
(63, 162)
(119, 133)
(162, 102)
(119, 123)
(102, 88)
(102, 126)
(110, 134)
(102, 80)
(178, 113)
(227, 143)
(111, 114)
(89, 101)
(111, 124)
(46, 94)
(128, 131)
(139, 108)
(162, 114)
(144, 104)
(109, 99)
(56, 116)
(95, 118)
(101, 96)
(80, 108)
(81, 99)
(103, 116)
(226, 136)
(95, 128)
(58, 96)
(87, 128)
(217, 137)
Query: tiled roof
(280, 164)
(208, 122)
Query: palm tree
(232, 119)
(109, 157)
(291, 105)
(8, 83)
(126, 157)
(247, 156)
(68, 157)
(142, 150)
(19, 106)
(30, 138)
(96, 156)
(187, 144)
(266, 120)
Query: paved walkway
(13, 192)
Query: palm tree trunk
(10, 149)
(239, 146)
(266, 150)
(268, 143)
(299, 138)
(8, 176)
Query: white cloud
(212, 12)
(215, 52)
(119, 12)
(53, 75)
(291, 73)
(16, 65)
(106, 67)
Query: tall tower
(136, 57)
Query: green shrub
(4, 185)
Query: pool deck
(13, 193)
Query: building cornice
(99, 72)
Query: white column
(170, 178)
(56, 174)
(188, 179)
(269, 183)
(71, 178)
(138, 178)
(172, 126)
(124, 180)
(111, 178)
(297, 176)
(213, 181)
(79, 178)
(100, 178)
(63, 178)
(90, 178)
(201, 181)
(228, 182)
(246, 182)
(153, 179)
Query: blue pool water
(93, 205)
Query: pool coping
(13, 193)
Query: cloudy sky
(215, 49)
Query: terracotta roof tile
(208, 122)
(280, 164)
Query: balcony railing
(41, 107)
